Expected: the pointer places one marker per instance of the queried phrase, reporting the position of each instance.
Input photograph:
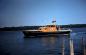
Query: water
(14, 43)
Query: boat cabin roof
(50, 25)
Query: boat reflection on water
(54, 44)
(50, 45)
(49, 41)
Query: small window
(52, 26)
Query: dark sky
(41, 12)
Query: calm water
(14, 43)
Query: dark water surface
(14, 43)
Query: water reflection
(13, 43)
(54, 44)
(49, 41)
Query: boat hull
(37, 33)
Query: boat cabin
(48, 28)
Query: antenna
(54, 21)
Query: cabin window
(52, 26)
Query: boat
(52, 29)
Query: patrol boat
(52, 29)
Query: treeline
(19, 28)
(36, 27)
(74, 26)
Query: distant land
(20, 28)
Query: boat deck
(51, 31)
(36, 32)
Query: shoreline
(20, 28)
